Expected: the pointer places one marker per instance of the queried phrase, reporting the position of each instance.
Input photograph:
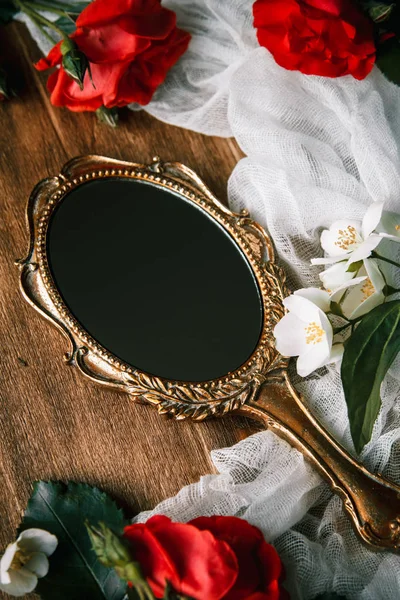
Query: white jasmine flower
(351, 240)
(389, 226)
(335, 276)
(305, 331)
(363, 293)
(25, 561)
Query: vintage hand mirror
(164, 293)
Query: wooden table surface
(54, 424)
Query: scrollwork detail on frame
(195, 400)
(259, 389)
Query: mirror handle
(372, 502)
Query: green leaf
(7, 11)
(389, 290)
(108, 116)
(75, 62)
(355, 266)
(388, 59)
(380, 12)
(76, 8)
(71, 9)
(367, 356)
(75, 573)
(170, 594)
(336, 309)
(66, 24)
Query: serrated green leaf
(7, 11)
(75, 63)
(75, 573)
(388, 59)
(367, 356)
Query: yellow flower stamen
(314, 333)
(367, 289)
(346, 238)
(20, 559)
(397, 227)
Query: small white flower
(305, 331)
(389, 226)
(351, 240)
(25, 561)
(363, 293)
(336, 275)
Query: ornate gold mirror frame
(260, 388)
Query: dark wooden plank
(54, 424)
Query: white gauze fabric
(317, 150)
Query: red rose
(130, 44)
(317, 37)
(209, 558)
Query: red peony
(317, 37)
(209, 558)
(130, 44)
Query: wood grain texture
(54, 424)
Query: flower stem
(348, 324)
(354, 321)
(140, 593)
(38, 18)
(144, 592)
(43, 30)
(339, 329)
(141, 589)
(51, 4)
(389, 290)
(388, 260)
(39, 6)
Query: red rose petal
(154, 561)
(65, 92)
(318, 37)
(42, 64)
(278, 11)
(53, 58)
(104, 11)
(150, 69)
(260, 567)
(332, 7)
(153, 26)
(131, 45)
(205, 567)
(145, 18)
(109, 44)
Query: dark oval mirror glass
(154, 279)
